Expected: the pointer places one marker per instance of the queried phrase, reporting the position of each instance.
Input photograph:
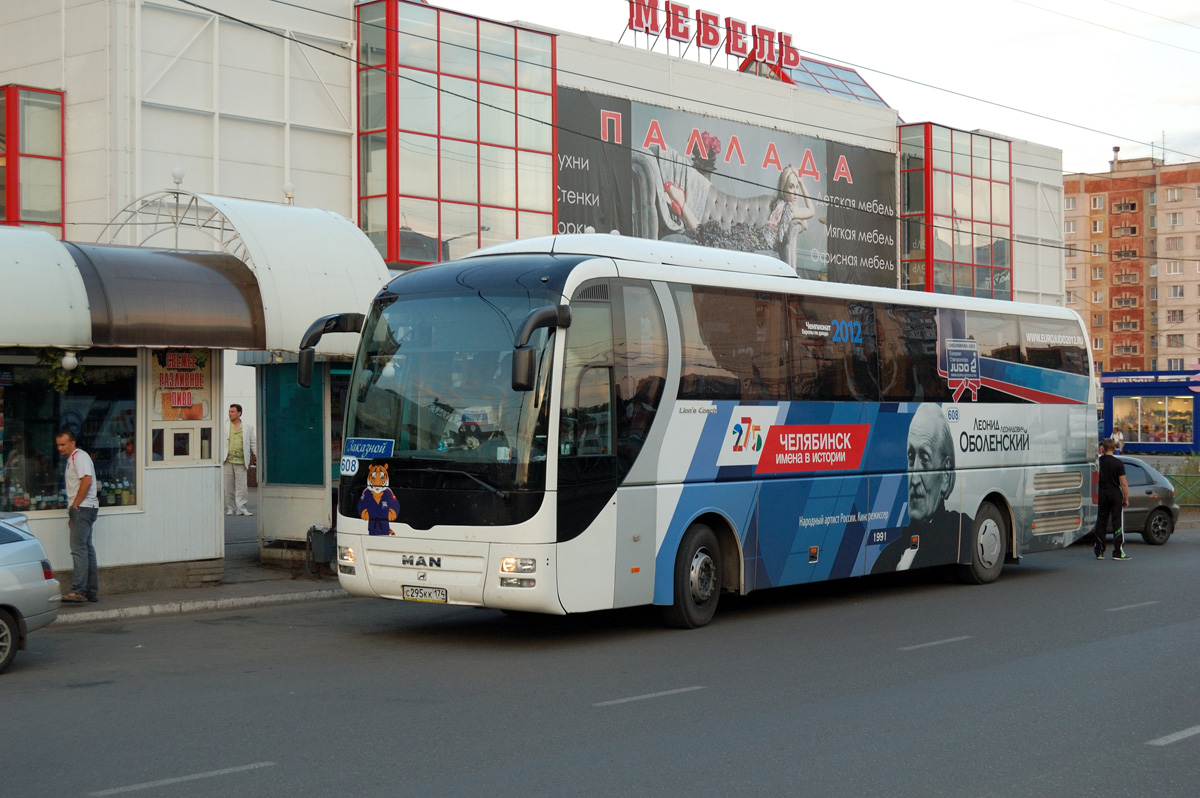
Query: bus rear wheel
(988, 538)
(697, 579)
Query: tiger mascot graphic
(377, 505)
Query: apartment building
(1132, 262)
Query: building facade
(1132, 265)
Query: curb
(201, 605)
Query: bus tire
(988, 538)
(697, 579)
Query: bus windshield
(434, 376)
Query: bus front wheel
(987, 547)
(697, 579)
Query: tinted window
(733, 344)
(908, 338)
(1136, 475)
(833, 350)
(996, 334)
(1055, 344)
(641, 366)
(8, 536)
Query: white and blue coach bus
(580, 423)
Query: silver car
(1152, 509)
(29, 593)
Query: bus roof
(670, 253)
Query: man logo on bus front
(377, 505)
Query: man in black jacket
(1114, 498)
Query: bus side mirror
(524, 368)
(524, 362)
(337, 322)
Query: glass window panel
(803, 76)
(941, 193)
(497, 118)
(460, 230)
(908, 361)
(962, 152)
(41, 124)
(497, 177)
(848, 75)
(997, 334)
(459, 108)
(941, 148)
(962, 241)
(496, 226)
(41, 190)
(914, 237)
(1126, 418)
(417, 98)
(818, 69)
(833, 84)
(372, 164)
(1000, 160)
(865, 93)
(532, 225)
(824, 367)
(962, 196)
(1000, 247)
(418, 233)
(372, 36)
(460, 171)
(1179, 419)
(981, 208)
(497, 53)
(914, 275)
(983, 281)
(912, 192)
(1002, 283)
(912, 147)
(417, 37)
(981, 151)
(983, 244)
(534, 121)
(535, 182)
(458, 45)
(1000, 203)
(534, 63)
(418, 167)
(372, 219)
(963, 285)
(101, 412)
(372, 100)
(943, 280)
(943, 237)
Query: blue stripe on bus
(1021, 378)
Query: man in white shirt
(83, 507)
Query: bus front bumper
(499, 575)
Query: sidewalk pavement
(246, 583)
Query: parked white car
(29, 593)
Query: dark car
(1152, 509)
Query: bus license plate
(437, 595)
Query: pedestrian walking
(1114, 498)
(81, 515)
(240, 452)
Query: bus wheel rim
(990, 543)
(702, 576)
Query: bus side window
(585, 427)
(641, 374)
(733, 344)
(833, 350)
(908, 338)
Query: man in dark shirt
(1114, 498)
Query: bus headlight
(345, 554)
(518, 565)
(516, 581)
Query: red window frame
(12, 154)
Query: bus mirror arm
(337, 322)
(524, 362)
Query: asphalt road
(1068, 677)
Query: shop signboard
(825, 208)
(182, 381)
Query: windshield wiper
(499, 493)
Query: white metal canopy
(43, 300)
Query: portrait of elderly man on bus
(930, 482)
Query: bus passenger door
(587, 464)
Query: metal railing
(1187, 489)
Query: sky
(1080, 76)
